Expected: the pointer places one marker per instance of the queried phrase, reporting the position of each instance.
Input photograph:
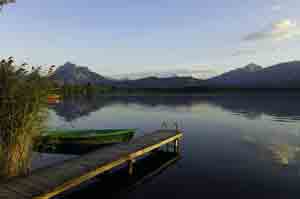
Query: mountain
(283, 75)
(70, 73)
(167, 82)
(235, 77)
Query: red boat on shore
(54, 99)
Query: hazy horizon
(130, 37)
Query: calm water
(235, 146)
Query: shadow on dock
(118, 182)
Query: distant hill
(284, 75)
(167, 82)
(72, 74)
(235, 77)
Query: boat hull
(79, 141)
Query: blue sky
(129, 36)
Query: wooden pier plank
(48, 182)
(9, 194)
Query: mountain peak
(69, 64)
(70, 73)
(252, 67)
(284, 75)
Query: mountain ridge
(282, 75)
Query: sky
(138, 36)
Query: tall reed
(23, 111)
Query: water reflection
(284, 153)
(73, 108)
(282, 106)
(279, 107)
(243, 145)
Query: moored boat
(89, 136)
(54, 99)
(80, 141)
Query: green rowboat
(106, 136)
(80, 141)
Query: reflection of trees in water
(282, 106)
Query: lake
(243, 145)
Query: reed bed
(23, 112)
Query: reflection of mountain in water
(283, 147)
(281, 106)
(73, 108)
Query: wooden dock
(49, 182)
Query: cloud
(281, 30)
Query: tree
(4, 2)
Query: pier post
(176, 146)
(130, 166)
(167, 146)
